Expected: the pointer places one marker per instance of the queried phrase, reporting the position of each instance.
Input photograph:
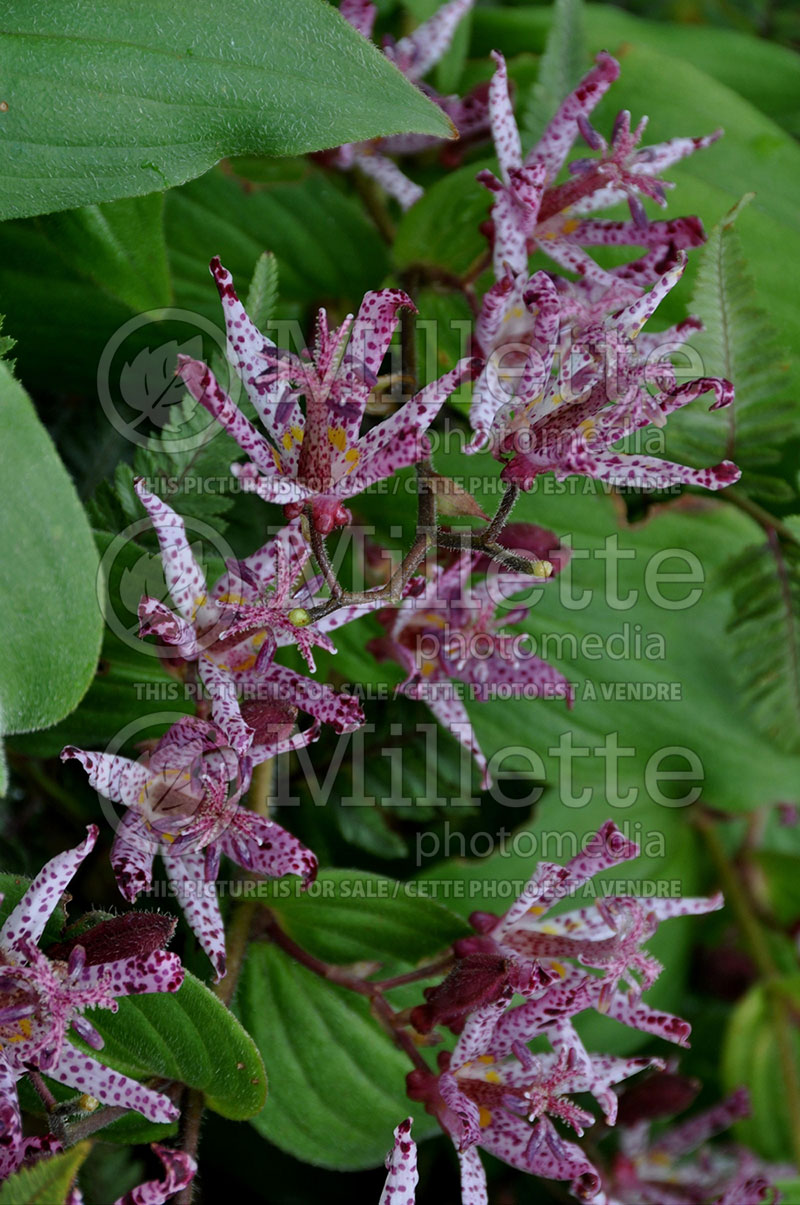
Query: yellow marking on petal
(248, 663)
(428, 667)
(483, 1058)
(570, 226)
(484, 1117)
(199, 602)
(236, 599)
(259, 639)
(168, 837)
(587, 427)
(551, 234)
(493, 1077)
(287, 440)
(337, 438)
(24, 1031)
(559, 969)
(536, 909)
(277, 459)
(352, 456)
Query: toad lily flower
(42, 998)
(606, 936)
(253, 609)
(679, 1168)
(414, 55)
(530, 211)
(318, 459)
(568, 421)
(505, 1104)
(401, 1165)
(183, 803)
(448, 630)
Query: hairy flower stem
(192, 1121)
(381, 1007)
(734, 887)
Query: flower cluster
(45, 995)
(494, 1093)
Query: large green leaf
(324, 245)
(69, 280)
(191, 1037)
(107, 100)
(47, 594)
(48, 1182)
(337, 1079)
(762, 72)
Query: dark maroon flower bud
(483, 922)
(271, 719)
(464, 946)
(134, 933)
(474, 981)
(661, 1095)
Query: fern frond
(765, 634)
(738, 342)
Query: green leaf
(112, 101)
(352, 915)
(765, 635)
(738, 343)
(337, 1079)
(53, 622)
(46, 1183)
(762, 72)
(324, 245)
(563, 63)
(191, 1037)
(754, 1056)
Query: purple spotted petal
(198, 898)
(91, 1078)
(264, 847)
(27, 921)
(555, 142)
(386, 173)
(204, 387)
(421, 50)
(184, 577)
(132, 855)
(158, 971)
(179, 1171)
(11, 1148)
(361, 15)
(401, 1164)
(118, 778)
(473, 1178)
